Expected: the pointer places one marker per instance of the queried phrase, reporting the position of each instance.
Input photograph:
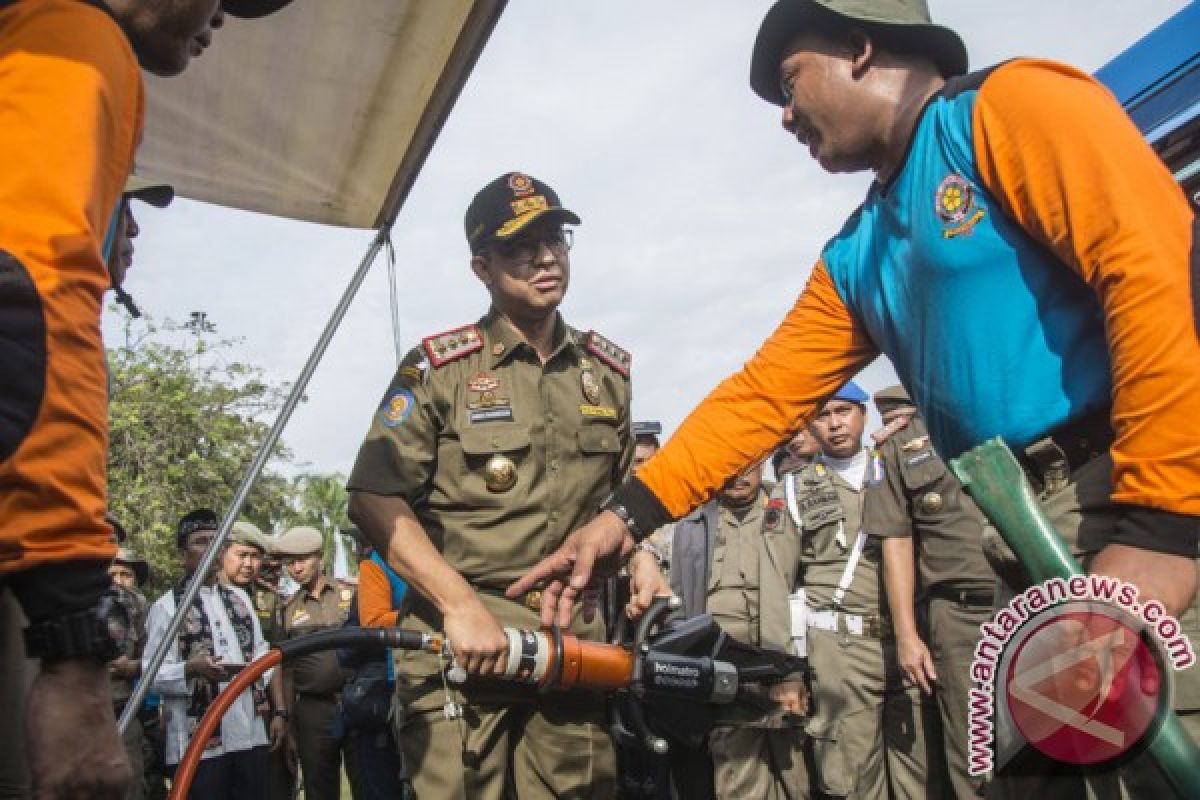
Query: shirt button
(554, 516)
(554, 465)
(549, 416)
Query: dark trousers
(320, 745)
(375, 765)
(231, 776)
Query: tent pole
(256, 467)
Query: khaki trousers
(760, 763)
(953, 634)
(1081, 509)
(528, 751)
(869, 730)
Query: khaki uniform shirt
(916, 495)
(268, 605)
(305, 613)
(499, 455)
(830, 513)
(135, 606)
(734, 577)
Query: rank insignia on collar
(452, 345)
(591, 387)
(612, 355)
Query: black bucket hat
(252, 9)
(904, 24)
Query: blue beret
(852, 393)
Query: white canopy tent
(323, 112)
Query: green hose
(997, 484)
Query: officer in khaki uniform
(736, 561)
(129, 572)
(867, 726)
(313, 683)
(493, 442)
(917, 503)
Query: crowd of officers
(494, 440)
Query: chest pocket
(598, 438)
(920, 466)
(478, 443)
(819, 508)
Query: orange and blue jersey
(1031, 262)
(71, 104)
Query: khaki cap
(891, 397)
(300, 541)
(249, 534)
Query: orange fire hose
(554, 660)
(212, 718)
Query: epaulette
(616, 357)
(452, 345)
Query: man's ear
(479, 265)
(861, 51)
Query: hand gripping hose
(997, 484)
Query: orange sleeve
(1063, 159)
(375, 598)
(70, 119)
(818, 347)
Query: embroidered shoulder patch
(616, 357)
(452, 345)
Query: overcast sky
(701, 217)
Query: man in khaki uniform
(313, 682)
(128, 573)
(918, 506)
(867, 727)
(494, 441)
(735, 561)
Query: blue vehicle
(1158, 82)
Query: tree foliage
(186, 421)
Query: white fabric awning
(322, 112)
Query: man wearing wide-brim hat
(1023, 258)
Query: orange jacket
(71, 104)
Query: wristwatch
(635, 530)
(95, 632)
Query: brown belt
(531, 600)
(1052, 459)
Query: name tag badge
(598, 412)
(492, 414)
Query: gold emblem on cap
(591, 387)
(498, 349)
(499, 473)
(931, 503)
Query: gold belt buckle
(533, 600)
